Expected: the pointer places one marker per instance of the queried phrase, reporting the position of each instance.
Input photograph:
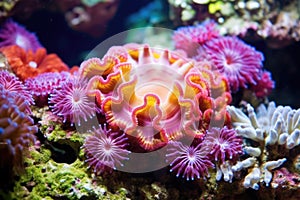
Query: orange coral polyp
(154, 94)
(28, 64)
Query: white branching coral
(225, 170)
(272, 125)
(268, 126)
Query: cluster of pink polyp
(150, 97)
(158, 97)
(239, 62)
(17, 128)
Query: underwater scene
(149, 100)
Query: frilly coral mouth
(153, 94)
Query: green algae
(54, 133)
(154, 191)
(46, 179)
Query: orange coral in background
(28, 64)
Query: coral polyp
(17, 131)
(190, 162)
(241, 63)
(264, 86)
(45, 83)
(190, 38)
(42, 85)
(72, 102)
(272, 128)
(224, 143)
(11, 33)
(28, 64)
(155, 95)
(15, 87)
(106, 150)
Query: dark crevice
(62, 153)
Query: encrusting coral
(275, 22)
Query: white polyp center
(191, 155)
(107, 147)
(32, 64)
(76, 98)
(21, 41)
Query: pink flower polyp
(151, 94)
(188, 161)
(264, 86)
(190, 38)
(224, 143)
(11, 33)
(241, 63)
(44, 84)
(72, 102)
(105, 150)
(14, 86)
